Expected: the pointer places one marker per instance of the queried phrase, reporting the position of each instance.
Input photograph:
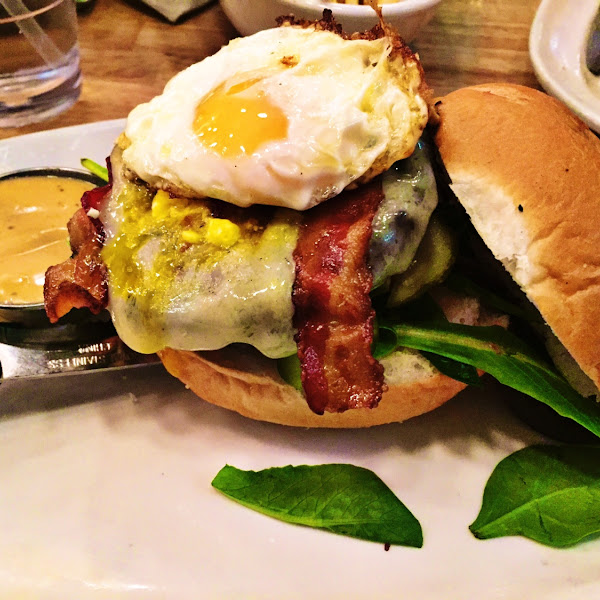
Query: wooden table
(129, 52)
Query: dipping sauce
(34, 212)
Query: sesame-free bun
(241, 379)
(527, 171)
(246, 382)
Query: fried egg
(287, 117)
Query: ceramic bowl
(407, 16)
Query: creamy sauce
(34, 212)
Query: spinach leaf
(550, 494)
(506, 358)
(340, 498)
(425, 310)
(385, 342)
(454, 369)
(290, 371)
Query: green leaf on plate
(340, 498)
(550, 494)
(505, 357)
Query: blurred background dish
(174, 9)
(557, 44)
(407, 16)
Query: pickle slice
(431, 264)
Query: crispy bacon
(93, 200)
(80, 281)
(333, 312)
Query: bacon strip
(80, 281)
(333, 312)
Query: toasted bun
(527, 171)
(246, 382)
(241, 379)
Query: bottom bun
(241, 379)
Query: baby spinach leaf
(422, 310)
(290, 370)
(340, 498)
(385, 343)
(454, 369)
(550, 494)
(505, 357)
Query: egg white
(346, 107)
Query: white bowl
(556, 47)
(407, 16)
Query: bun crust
(248, 383)
(527, 171)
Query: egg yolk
(233, 123)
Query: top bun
(527, 171)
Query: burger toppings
(270, 119)
(410, 197)
(333, 313)
(198, 274)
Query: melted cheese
(182, 278)
(400, 223)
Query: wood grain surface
(129, 52)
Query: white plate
(557, 49)
(111, 496)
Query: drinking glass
(39, 60)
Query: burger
(286, 205)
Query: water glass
(39, 60)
